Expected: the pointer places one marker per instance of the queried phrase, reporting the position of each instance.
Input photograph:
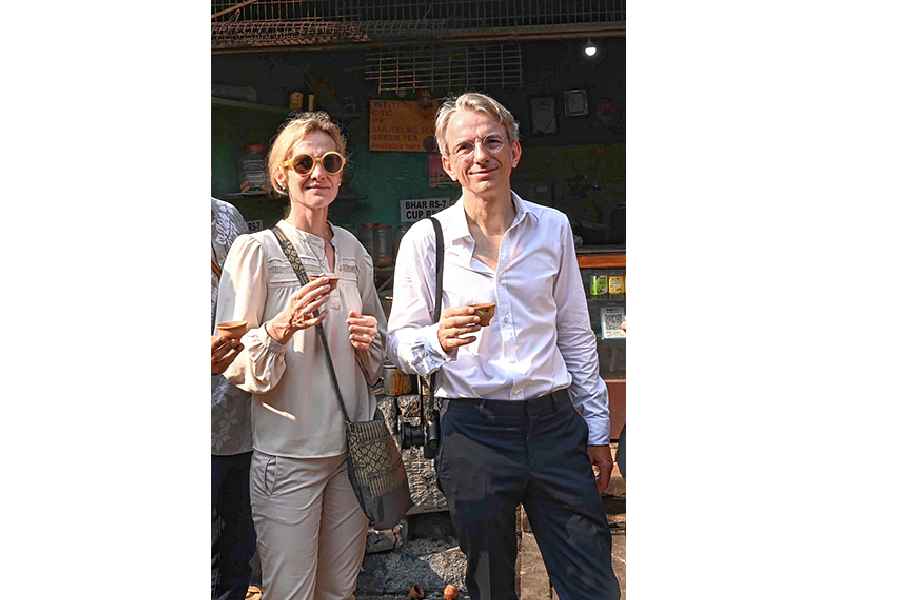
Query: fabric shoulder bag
(374, 464)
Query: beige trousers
(310, 530)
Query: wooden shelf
(602, 261)
(275, 110)
(243, 195)
(345, 116)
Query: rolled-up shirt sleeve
(413, 344)
(578, 344)
(242, 297)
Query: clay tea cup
(484, 311)
(332, 281)
(232, 329)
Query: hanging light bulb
(590, 49)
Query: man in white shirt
(524, 408)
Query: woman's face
(317, 189)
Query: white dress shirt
(539, 340)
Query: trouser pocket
(264, 473)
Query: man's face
(479, 153)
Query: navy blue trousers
(233, 539)
(496, 454)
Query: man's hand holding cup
(457, 326)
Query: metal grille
(257, 23)
(446, 67)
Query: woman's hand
(362, 330)
(223, 351)
(300, 312)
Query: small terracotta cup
(332, 280)
(485, 312)
(232, 329)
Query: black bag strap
(438, 268)
(291, 253)
(438, 282)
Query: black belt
(512, 408)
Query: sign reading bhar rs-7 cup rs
(414, 209)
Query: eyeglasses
(491, 144)
(303, 164)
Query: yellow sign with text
(400, 126)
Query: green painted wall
(580, 169)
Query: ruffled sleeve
(242, 297)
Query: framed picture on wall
(576, 103)
(543, 115)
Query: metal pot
(398, 383)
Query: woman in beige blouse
(310, 529)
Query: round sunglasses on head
(303, 164)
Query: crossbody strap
(288, 248)
(213, 262)
(438, 281)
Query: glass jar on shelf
(617, 284)
(599, 285)
(252, 176)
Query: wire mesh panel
(456, 13)
(302, 22)
(242, 34)
(446, 67)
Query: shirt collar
(458, 227)
(309, 238)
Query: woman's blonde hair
(477, 103)
(295, 129)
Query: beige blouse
(293, 378)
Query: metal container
(382, 245)
(401, 231)
(366, 234)
(398, 383)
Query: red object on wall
(436, 174)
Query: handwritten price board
(399, 126)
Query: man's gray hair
(477, 103)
